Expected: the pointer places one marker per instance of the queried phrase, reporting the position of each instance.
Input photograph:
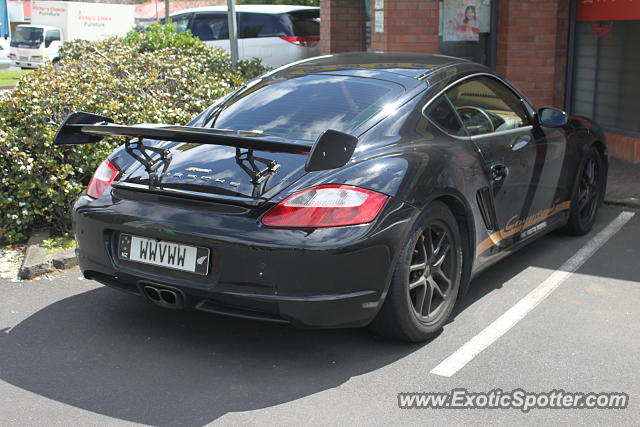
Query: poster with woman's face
(463, 19)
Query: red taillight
(326, 206)
(102, 179)
(308, 41)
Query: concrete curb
(9, 87)
(631, 202)
(37, 261)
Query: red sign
(608, 10)
(26, 10)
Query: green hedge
(156, 76)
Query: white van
(54, 22)
(277, 34)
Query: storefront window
(606, 62)
(605, 80)
(465, 29)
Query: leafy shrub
(158, 36)
(157, 76)
(57, 244)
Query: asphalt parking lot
(75, 353)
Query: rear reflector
(308, 41)
(326, 206)
(102, 179)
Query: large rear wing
(331, 150)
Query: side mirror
(332, 150)
(552, 117)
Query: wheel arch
(461, 209)
(602, 149)
(604, 153)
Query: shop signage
(19, 11)
(464, 20)
(608, 10)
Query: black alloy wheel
(589, 190)
(430, 273)
(587, 194)
(426, 279)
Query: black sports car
(339, 191)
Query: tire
(430, 262)
(587, 196)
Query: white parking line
(511, 317)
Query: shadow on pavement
(117, 355)
(551, 251)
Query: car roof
(407, 68)
(257, 8)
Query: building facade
(579, 55)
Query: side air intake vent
(485, 203)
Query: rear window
(305, 22)
(304, 107)
(300, 23)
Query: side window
(441, 113)
(486, 105)
(181, 23)
(51, 36)
(210, 27)
(262, 25)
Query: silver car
(277, 34)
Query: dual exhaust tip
(164, 297)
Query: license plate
(24, 58)
(164, 254)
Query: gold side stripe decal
(514, 226)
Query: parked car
(5, 61)
(276, 34)
(340, 191)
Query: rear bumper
(322, 278)
(350, 309)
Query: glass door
(468, 30)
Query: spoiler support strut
(150, 164)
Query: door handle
(520, 143)
(499, 172)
